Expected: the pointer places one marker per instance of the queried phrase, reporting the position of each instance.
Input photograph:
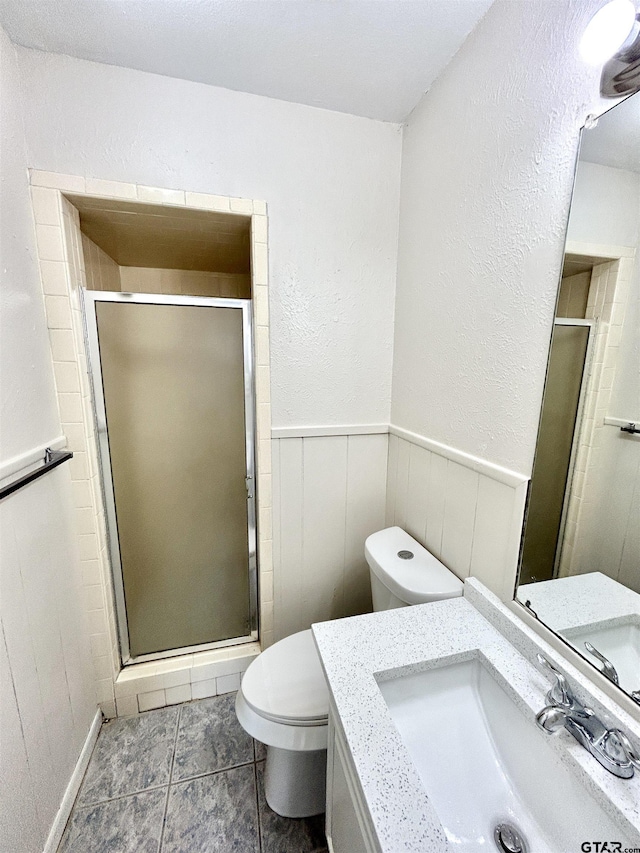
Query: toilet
(284, 701)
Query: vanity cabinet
(347, 828)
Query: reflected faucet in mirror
(580, 558)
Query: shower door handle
(249, 484)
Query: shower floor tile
(185, 779)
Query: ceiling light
(607, 31)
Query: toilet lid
(286, 681)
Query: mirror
(580, 557)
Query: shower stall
(172, 384)
(567, 374)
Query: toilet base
(295, 781)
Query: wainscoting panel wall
(466, 512)
(329, 495)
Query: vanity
(479, 724)
(433, 742)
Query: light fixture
(607, 31)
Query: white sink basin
(482, 762)
(618, 642)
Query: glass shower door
(551, 469)
(172, 382)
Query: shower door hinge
(249, 484)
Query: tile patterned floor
(185, 779)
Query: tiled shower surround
(63, 273)
(186, 779)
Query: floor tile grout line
(94, 803)
(258, 817)
(166, 800)
(210, 773)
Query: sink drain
(508, 839)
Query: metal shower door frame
(89, 300)
(577, 429)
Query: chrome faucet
(608, 669)
(610, 747)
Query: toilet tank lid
(416, 580)
(286, 681)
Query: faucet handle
(608, 669)
(630, 753)
(560, 694)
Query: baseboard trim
(482, 466)
(339, 429)
(69, 798)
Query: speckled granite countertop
(581, 600)
(356, 650)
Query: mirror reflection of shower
(169, 329)
(580, 566)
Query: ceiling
(373, 58)
(147, 235)
(615, 140)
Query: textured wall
(488, 161)
(331, 183)
(46, 690)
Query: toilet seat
(283, 700)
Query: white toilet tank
(403, 572)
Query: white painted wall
(47, 696)
(488, 161)
(331, 183)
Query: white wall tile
(58, 312)
(241, 205)
(50, 246)
(62, 344)
(204, 201)
(176, 695)
(228, 683)
(67, 183)
(45, 205)
(127, 706)
(204, 689)
(159, 195)
(113, 189)
(151, 700)
(260, 264)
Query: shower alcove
(156, 302)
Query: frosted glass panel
(553, 452)
(173, 380)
